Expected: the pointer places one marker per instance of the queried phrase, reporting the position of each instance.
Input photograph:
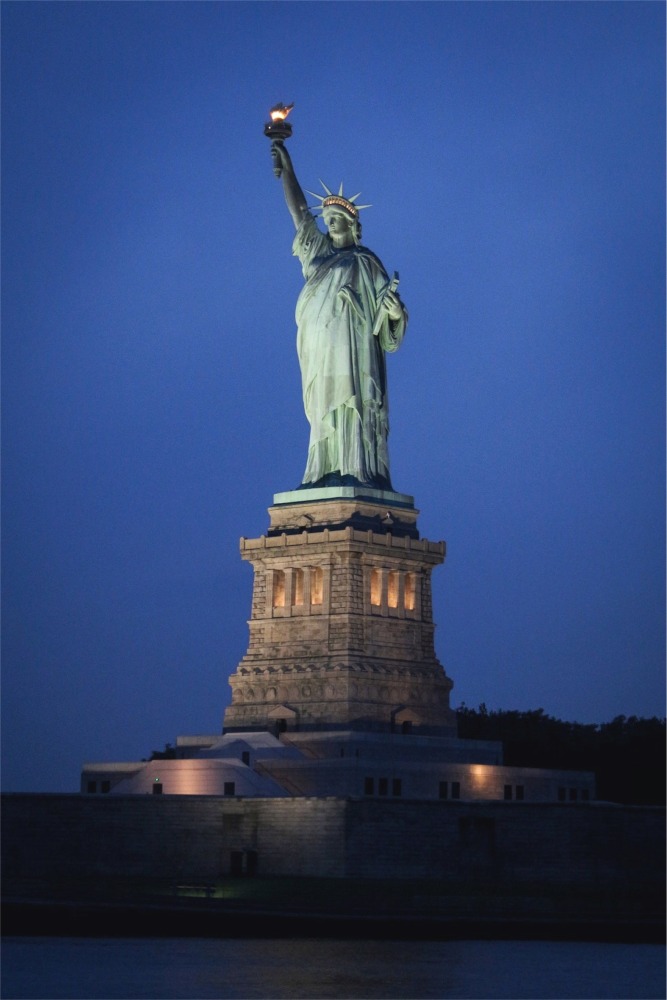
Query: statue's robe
(343, 368)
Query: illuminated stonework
(341, 633)
(340, 694)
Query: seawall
(328, 857)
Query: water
(198, 969)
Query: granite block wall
(197, 837)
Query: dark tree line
(627, 754)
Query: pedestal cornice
(310, 495)
(361, 508)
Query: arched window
(279, 588)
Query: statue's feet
(334, 479)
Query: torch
(278, 129)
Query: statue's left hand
(392, 305)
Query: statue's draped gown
(343, 367)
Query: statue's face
(339, 224)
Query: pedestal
(341, 632)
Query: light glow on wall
(316, 585)
(279, 589)
(376, 588)
(392, 589)
(297, 587)
(480, 775)
(410, 589)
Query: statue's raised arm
(294, 196)
(348, 315)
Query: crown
(347, 204)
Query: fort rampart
(613, 847)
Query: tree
(627, 755)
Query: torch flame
(280, 112)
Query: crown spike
(340, 190)
(325, 187)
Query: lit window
(316, 585)
(410, 590)
(279, 588)
(297, 587)
(376, 588)
(392, 589)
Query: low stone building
(345, 764)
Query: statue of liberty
(348, 314)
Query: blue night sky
(514, 157)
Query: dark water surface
(51, 968)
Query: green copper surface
(348, 316)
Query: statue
(348, 314)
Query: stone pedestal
(341, 633)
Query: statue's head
(341, 223)
(337, 206)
